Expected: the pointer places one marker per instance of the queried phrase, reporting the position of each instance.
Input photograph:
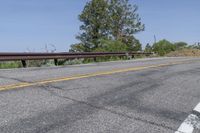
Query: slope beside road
(159, 95)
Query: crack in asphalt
(106, 109)
(15, 79)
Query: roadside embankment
(185, 52)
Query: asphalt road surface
(159, 95)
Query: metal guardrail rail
(63, 55)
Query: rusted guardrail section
(64, 55)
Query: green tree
(95, 24)
(180, 45)
(125, 23)
(114, 20)
(132, 43)
(163, 47)
(124, 18)
(148, 48)
(195, 46)
(78, 47)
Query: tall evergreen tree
(95, 24)
(114, 20)
(124, 18)
(148, 48)
(125, 23)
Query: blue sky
(29, 25)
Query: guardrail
(64, 55)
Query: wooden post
(95, 59)
(56, 62)
(24, 63)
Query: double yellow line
(38, 83)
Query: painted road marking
(191, 122)
(27, 84)
(187, 126)
(197, 108)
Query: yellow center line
(26, 84)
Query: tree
(132, 43)
(163, 47)
(95, 24)
(78, 47)
(125, 23)
(114, 20)
(124, 18)
(180, 45)
(148, 48)
(195, 46)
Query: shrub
(163, 47)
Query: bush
(11, 64)
(180, 45)
(163, 47)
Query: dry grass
(185, 52)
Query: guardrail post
(147, 55)
(95, 59)
(128, 56)
(56, 62)
(24, 63)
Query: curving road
(158, 95)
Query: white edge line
(187, 126)
(197, 108)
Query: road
(158, 95)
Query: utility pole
(155, 39)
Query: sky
(31, 25)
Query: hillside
(185, 52)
